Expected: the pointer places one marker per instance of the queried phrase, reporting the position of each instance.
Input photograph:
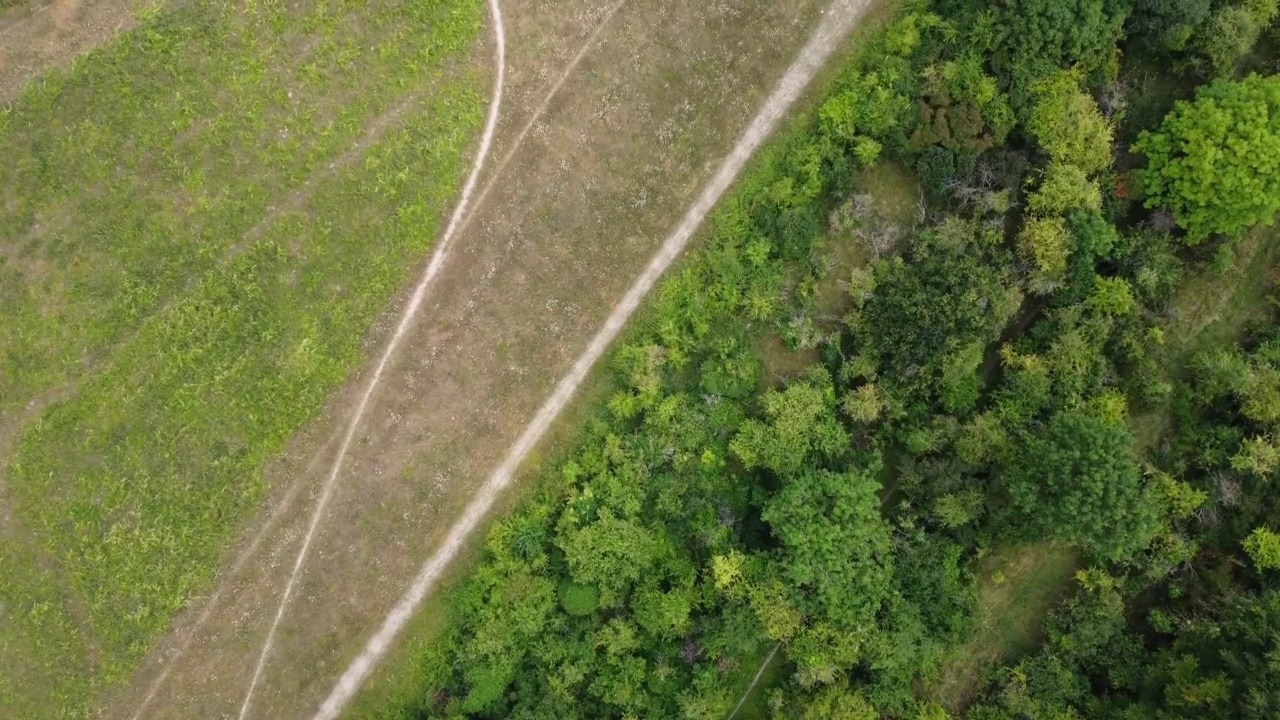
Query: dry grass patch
(36, 35)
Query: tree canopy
(836, 544)
(1039, 35)
(1215, 162)
(1080, 480)
(1068, 125)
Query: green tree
(1093, 235)
(1231, 33)
(610, 553)
(962, 108)
(1046, 242)
(1215, 162)
(775, 608)
(799, 421)
(838, 703)
(1222, 664)
(1259, 456)
(1063, 188)
(835, 544)
(1168, 25)
(1068, 125)
(1038, 35)
(866, 108)
(955, 288)
(578, 599)
(863, 405)
(1111, 296)
(1263, 547)
(1080, 480)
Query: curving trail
(839, 18)
(212, 603)
(256, 541)
(406, 319)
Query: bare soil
(592, 191)
(36, 35)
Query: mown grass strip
(195, 355)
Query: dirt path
(838, 21)
(211, 603)
(551, 245)
(438, 257)
(754, 681)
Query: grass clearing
(895, 191)
(1017, 586)
(188, 266)
(773, 670)
(1213, 309)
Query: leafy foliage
(1263, 546)
(1216, 162)
(1068, 125)
(835, 544)
(1168, 25)
(952, 290)
(1034, 36)
(1064, 188)
(1232, 31)
(801, 422)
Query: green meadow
(199, 225)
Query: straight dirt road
(838, 20)
(655, 113)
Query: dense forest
(1008, 367)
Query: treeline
(975, 389)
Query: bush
(579, 600)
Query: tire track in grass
(754, 681)
(542, 109)
(256, 542)
(406, 319)
(838, 19)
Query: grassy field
(198, 225)
(1215, 307)
(1016, 588)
